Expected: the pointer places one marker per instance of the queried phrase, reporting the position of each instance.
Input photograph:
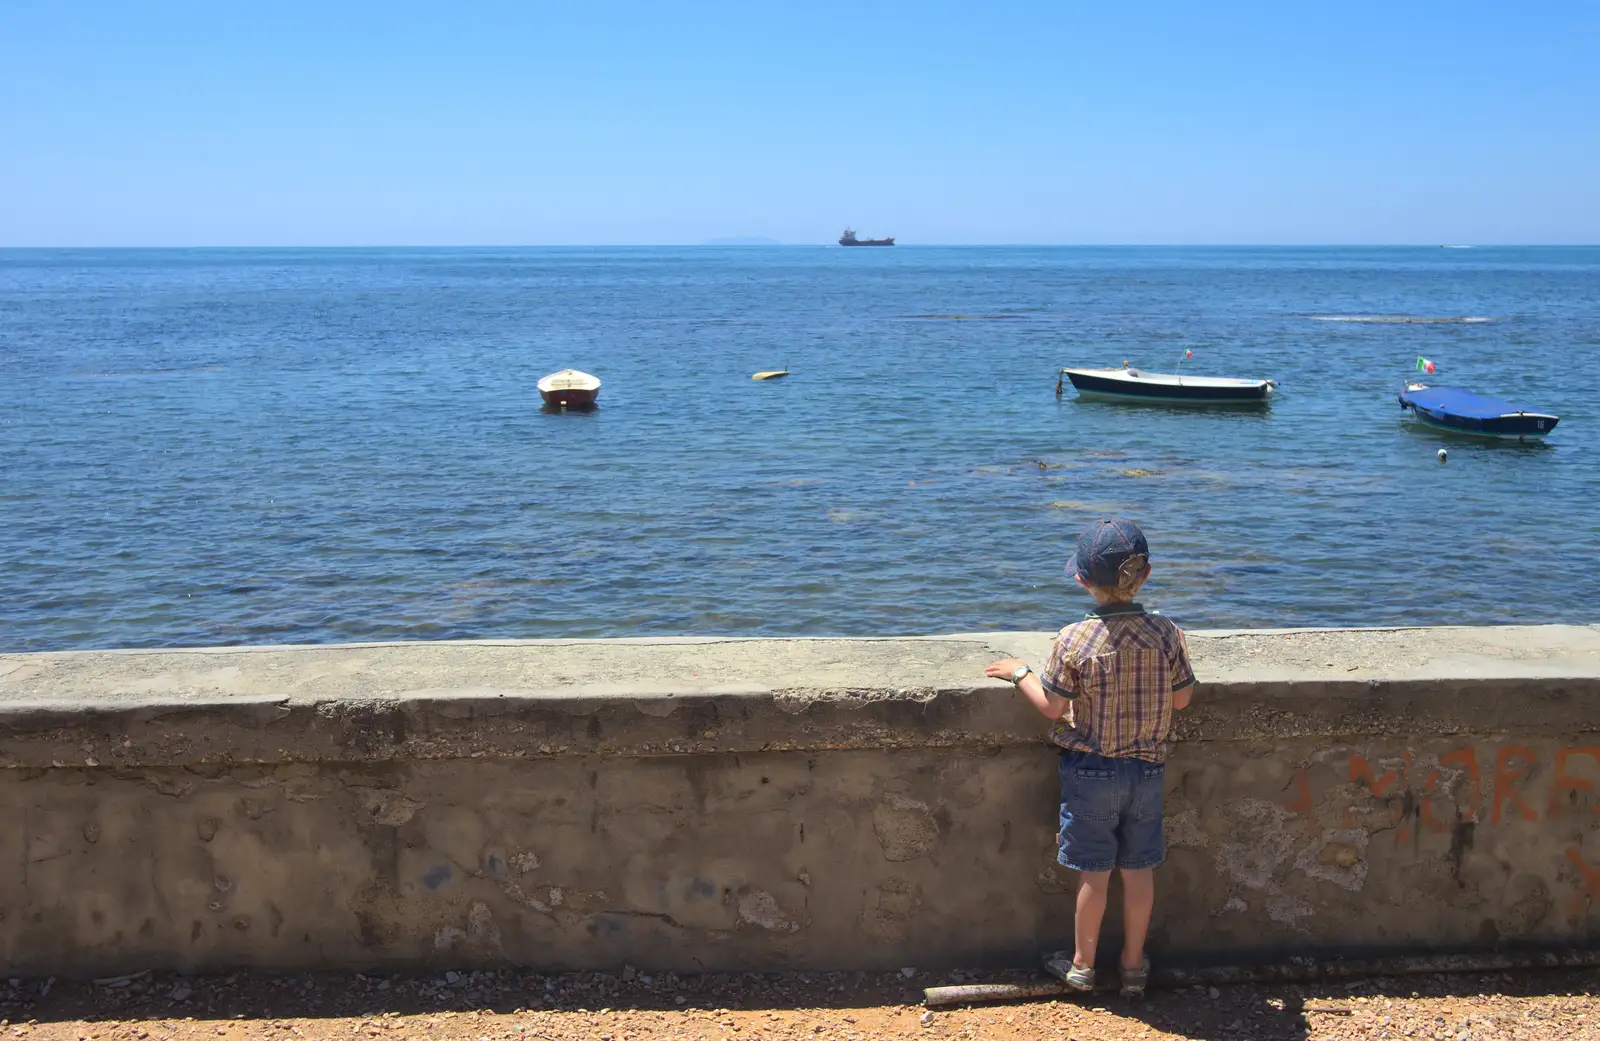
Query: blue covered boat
(1464, 412)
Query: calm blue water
(264, 446)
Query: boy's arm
(1034, 687)
(1050, 706)
(1182, 673)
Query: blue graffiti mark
(437, 877)
(494, 865)
(702, 889)
(606, 925)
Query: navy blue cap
(1103, 547)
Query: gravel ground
(636, 1006)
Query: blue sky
(165, 122)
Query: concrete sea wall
(768, 804)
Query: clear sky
(170, 122)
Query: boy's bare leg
(1093, 886)
(1138, 900)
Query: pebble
(908, 973)
(181, 993)
(1213, 993)
(927, 1019)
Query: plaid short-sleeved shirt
(1119, 666)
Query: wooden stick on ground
(977, 993)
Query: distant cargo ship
(849, 239)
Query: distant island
(747, 240)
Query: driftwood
(1293, 970)
(977, 993)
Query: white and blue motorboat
(1161, 388)
(1465, 412)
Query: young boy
(1111, 686)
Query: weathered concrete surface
(772, 803)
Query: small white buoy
(1444, 456)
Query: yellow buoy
(774, 374)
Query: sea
(272, 446)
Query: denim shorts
(1110, 813)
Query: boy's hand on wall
(1049, 706)
(1004, 669)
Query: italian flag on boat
(1426, 365)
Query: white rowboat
(569, 388)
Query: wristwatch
(1022, 670)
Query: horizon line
(824, 245)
